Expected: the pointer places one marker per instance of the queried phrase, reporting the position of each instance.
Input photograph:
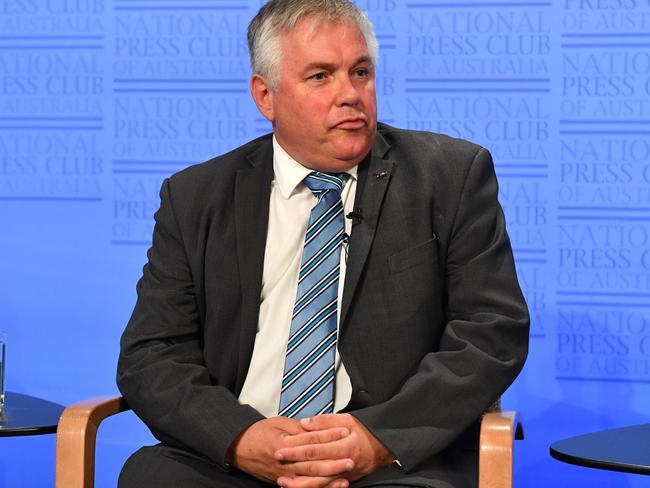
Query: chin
(353, 150)
(353, 159)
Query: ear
(262, 96)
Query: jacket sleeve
(485, 340)
(161, 371)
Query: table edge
(597, 464)
(29, 431)
(32, 430)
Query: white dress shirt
(290, 208)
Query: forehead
(313, 39)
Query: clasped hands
(326, 451)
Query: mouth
(351, 123)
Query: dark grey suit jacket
(433, 323)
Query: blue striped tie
(308, 379)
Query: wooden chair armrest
(75, 439)
(498, 432)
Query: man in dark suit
(423, 323)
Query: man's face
(324, 111)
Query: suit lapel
(373, 177)
(252, 196)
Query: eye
(361, 72)
(318, 76)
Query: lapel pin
(380, 174)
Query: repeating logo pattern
(102, 99)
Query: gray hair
(277, 16)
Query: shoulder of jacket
(223, 164)
(434, 144)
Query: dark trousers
(162, 466)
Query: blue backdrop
(101, 99)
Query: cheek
(300, 107)
(318, 115)
(370, 98)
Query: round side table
(28, 415)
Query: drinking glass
(3, 362)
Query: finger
(327, 421)
(312, 482)
(287, 425)
(316, 437)
(340, 483)
(322, 468)
(303, 482)
(310, 452)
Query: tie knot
(319, 182)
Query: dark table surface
(28, 415)
(625, 449)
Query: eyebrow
(330, 66)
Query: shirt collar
(289, 173)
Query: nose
(347, 93)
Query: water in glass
(2, 375)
